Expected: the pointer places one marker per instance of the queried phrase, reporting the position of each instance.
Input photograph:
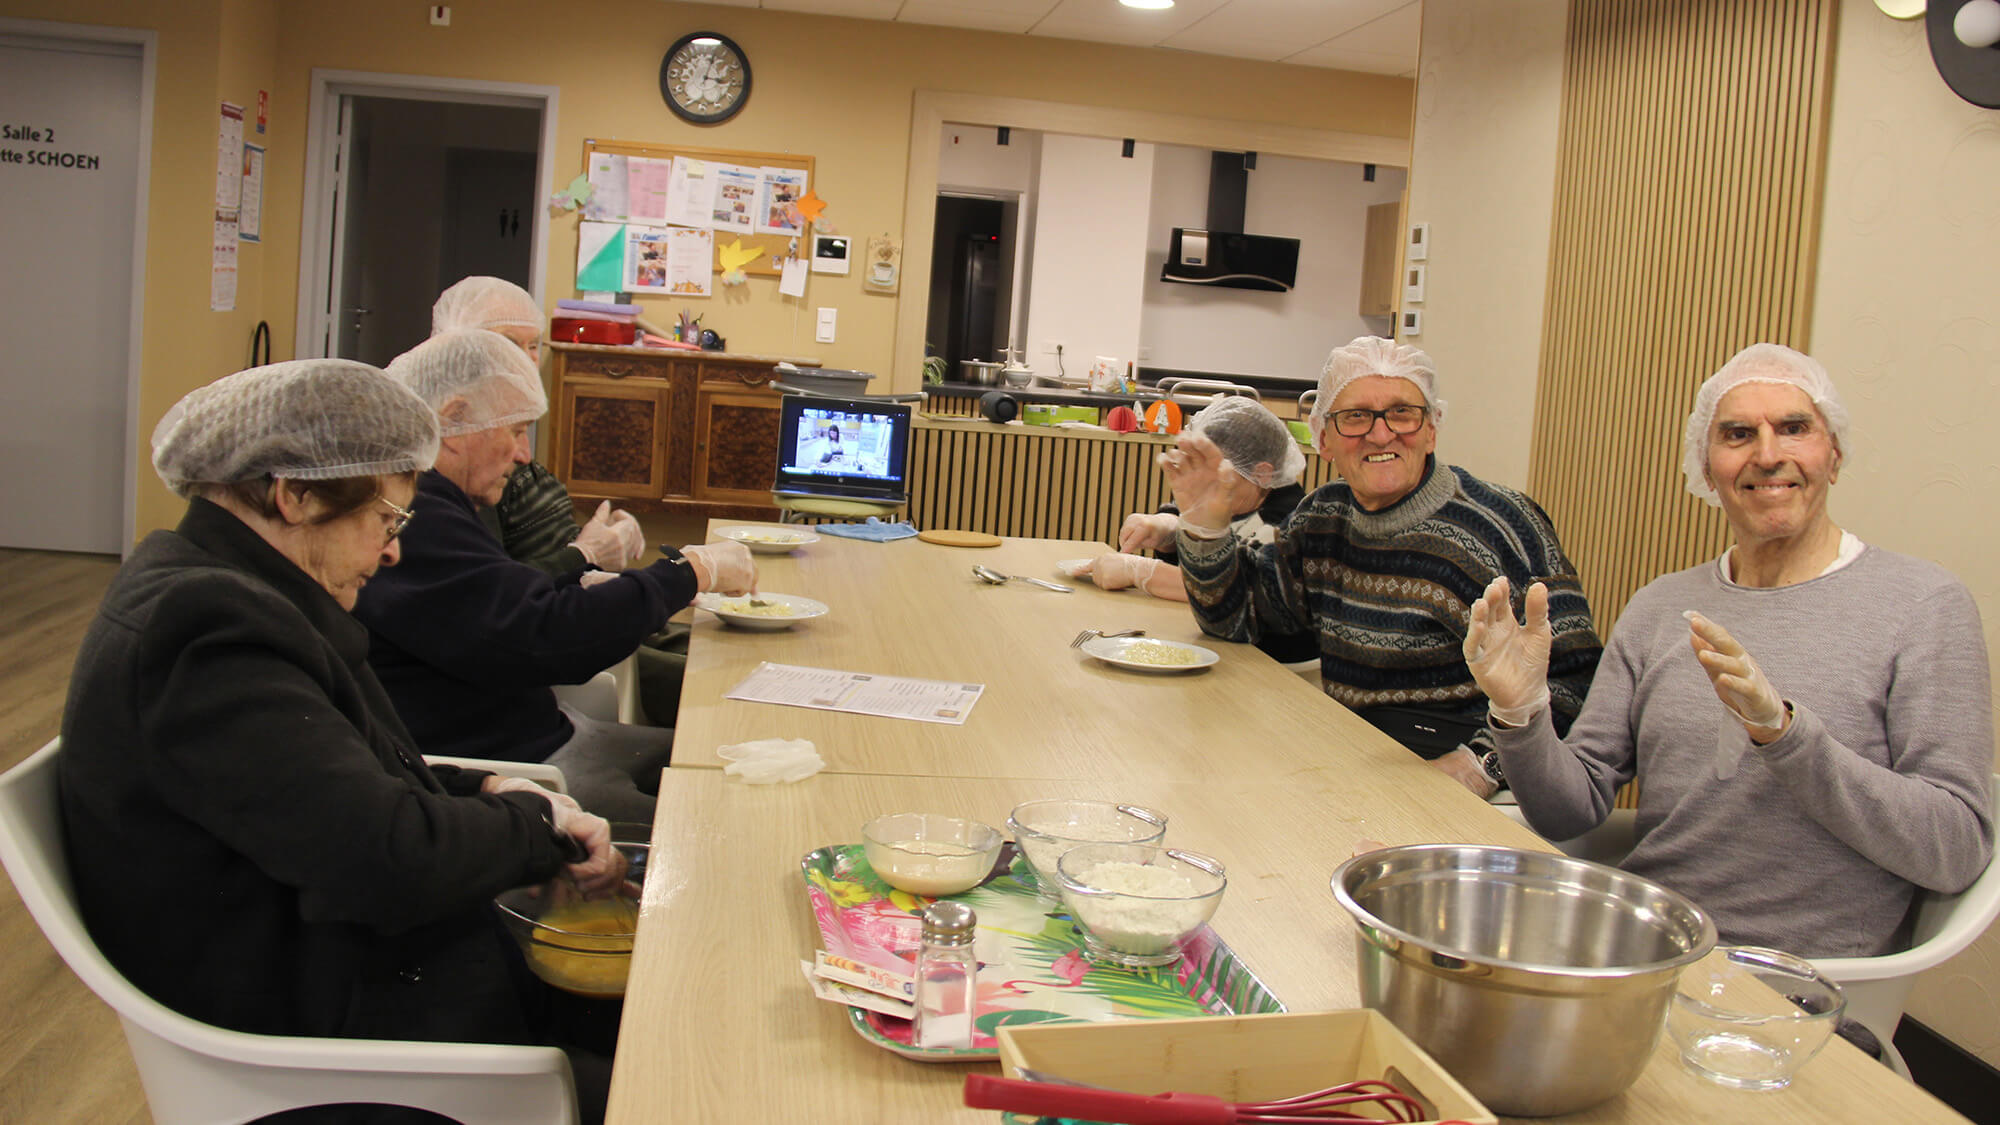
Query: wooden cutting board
(949, 538)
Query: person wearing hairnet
(468, 641)
(1809, 717)
(254, 839)
(1382, 565)
(1262, 495)
(534, 518)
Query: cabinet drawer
(615, 365)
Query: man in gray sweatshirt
(1802, 795)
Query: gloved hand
(602, 544)
(603, 871)
(1147, 531)
(724, 568)
(1737, 680)
(1462, 766)
(1116, 572)
(1201, 480)
(1510, 662)
(634, 536)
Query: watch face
(705, 78)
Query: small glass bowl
(1044, 830)
(931, 855)
(1736, 1034)
(1136, 902)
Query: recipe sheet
(859, 693)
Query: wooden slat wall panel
(1689, 170)
(1040, 483)
(1688, 185)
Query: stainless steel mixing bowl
(1539, 981)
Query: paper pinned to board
(793, 282)
(600, 256)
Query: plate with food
(1146, 654)
(761, 611)
(768, 540)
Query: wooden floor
(62, 1054)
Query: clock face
(705, 78)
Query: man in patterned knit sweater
(1383, 564)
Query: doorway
(414, 183)
(972, 278)
(77, 105)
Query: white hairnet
(1372, 355)
(496, 380)
(1758, 363)
(485, 302)
(1250, 435)
(306, 419)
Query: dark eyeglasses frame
(1342, 418)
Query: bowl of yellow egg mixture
(582, 945)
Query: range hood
(1220, 254)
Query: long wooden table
(1254, 767)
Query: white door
(69, 183)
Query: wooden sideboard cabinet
(693, 432)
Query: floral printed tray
(1031, 963)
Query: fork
(1090, 634)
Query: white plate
(1120, 650)
(728, 608)
(768, 540)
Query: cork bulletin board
(771, 247)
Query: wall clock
(705, 78)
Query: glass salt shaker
(947, 977)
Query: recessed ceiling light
(1148, 4)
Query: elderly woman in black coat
(255, 841)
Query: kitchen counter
(1281, 396)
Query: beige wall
(1906, 321)
(838, 89)
(1903, 313)
(1482, 174)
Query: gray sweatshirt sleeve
(1927, 815)
(1566, 787)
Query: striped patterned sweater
(1387, 592)
(535, 521)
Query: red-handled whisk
(1336, 1103)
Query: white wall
(1242, 331)
(1482, 174)
(1089, 252)
(1905, 318)
(971, 157)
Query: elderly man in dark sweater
(468, 641)
(1801, 797)
(1382, 565)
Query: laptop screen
(844, 447)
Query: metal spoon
(988, 574)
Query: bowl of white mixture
(928, 854)
(1137, 902)
(1044, 830)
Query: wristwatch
(1490, 762)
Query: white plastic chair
(1876, 987)
(198, 1074)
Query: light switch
(826, 318)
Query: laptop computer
(852, 449)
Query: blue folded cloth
(874, 530)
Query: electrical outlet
(1052, 347)
(440, 15)
(1145, 353)
(824, 333)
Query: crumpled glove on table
(767, 761)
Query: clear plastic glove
(723, 568)
(634, 536)
(1202, 480)
(1462, 766)
(1116, 572)
(1147, 531)
(601, 543)
(603, 871)
(1737, 680)
(1510, 661)
(591, 578)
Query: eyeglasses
(1402, 419)
(403, 516)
